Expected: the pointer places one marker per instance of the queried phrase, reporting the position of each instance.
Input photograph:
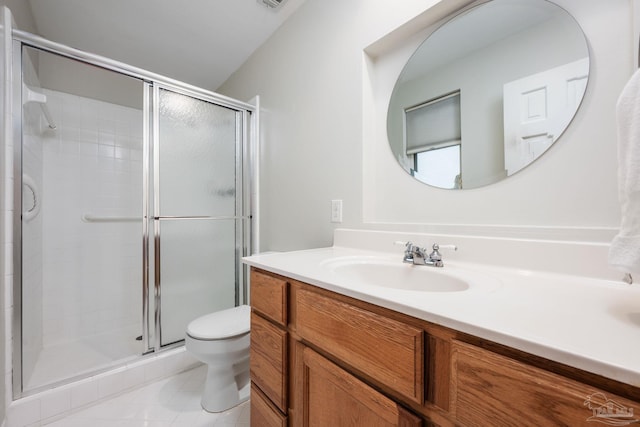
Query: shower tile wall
(89, 288)
(93, 166)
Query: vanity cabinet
(323, 359)
(268, 353)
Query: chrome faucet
(418, 256)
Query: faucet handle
(436, 255)
(408, 250)
(408, 246)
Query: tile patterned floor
(172, 402)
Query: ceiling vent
(274, 4)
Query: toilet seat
(221, 325)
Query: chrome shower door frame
(16, 121)
(246, 142)
(242, 215)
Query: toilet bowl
(221, 341)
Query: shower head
(32, 95)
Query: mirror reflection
(488, 93)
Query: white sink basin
(383, 272)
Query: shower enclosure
(135, 211)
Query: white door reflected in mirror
(538, 108)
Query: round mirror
(487, 93)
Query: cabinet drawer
(386, 350)
(263, 413)
(490, 389)
(268, 360)
(269, 296)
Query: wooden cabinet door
(493, 390)
(333, 397)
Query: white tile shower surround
(171, 402)
(91, 164)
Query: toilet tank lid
(221, 324)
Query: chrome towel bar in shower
(95, 218)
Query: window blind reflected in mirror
(433, 124)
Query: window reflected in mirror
(439, 167)
(433, 140)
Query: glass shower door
(79, 230)
(198, 210)
(135, 203)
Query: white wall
(309, 75)
(323, 132)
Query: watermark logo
(608, 411)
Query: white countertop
(591, 324)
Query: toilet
(221, 340)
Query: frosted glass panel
(197, 259)
(197, 157)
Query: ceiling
(201, 42)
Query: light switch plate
(336, 211)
